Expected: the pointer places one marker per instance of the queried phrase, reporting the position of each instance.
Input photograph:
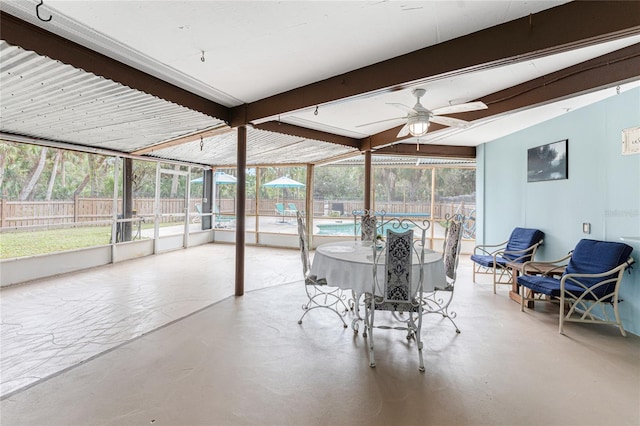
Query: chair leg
(561, 322)
(418, 338)
(618, 321)
(369, 330)
(313, 303)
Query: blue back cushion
(595, 257)
(522, 239)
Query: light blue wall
(603, 188)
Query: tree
(54, 171)
(34, 174)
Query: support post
(127, 198)
(309, 205)
(241, 198)
(367, 180)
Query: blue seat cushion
(487, 261)
(541, 284)
(596, 257)
(522, 239)
(551, 287)
(589, 257)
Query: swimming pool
(345, 229)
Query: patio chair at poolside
(197, 219)
(223, 221)
(282, 212)
(292, 210)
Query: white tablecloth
(349, 265)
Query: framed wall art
(548, 162)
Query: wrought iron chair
(319, 293)
(368, 225)
(493, 258)
(439, 300)
(394, 291)
(589, 284)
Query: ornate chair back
(398, 290)
(368, 227)
(451, 248)
(304, 246)
(398, 269)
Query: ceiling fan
(419, 117)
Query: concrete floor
(159, 341)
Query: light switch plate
(586, 228)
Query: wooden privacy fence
(19, 214)
(23, 214)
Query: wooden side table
(537, 268)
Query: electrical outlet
(586, 228)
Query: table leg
(514, 294)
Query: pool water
(344, 229)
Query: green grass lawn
(28, 243)
(19, 244)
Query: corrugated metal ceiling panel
(263, 147)
(47, 99)
(384, 160)
(44, 98)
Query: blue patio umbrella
(219, 178)
(284, 182)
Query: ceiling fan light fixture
(419, 126)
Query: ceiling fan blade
(404, 131)
(402, 107)
(452, 109)
(381, 121)
(450, 121)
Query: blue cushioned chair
(591, 279)
(493, 258)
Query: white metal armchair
(319, 293)
(589, 285)
(440, 299)
(493, 258)
(395, 291)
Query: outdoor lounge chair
(223, 221)
(493, 258)
(197, 218)
(590, 282)
(292, 210)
